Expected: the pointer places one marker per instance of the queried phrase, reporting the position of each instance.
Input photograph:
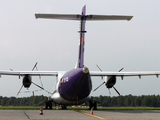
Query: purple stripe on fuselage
(75, 85)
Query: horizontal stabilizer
(79, 17)
(108, 17)
(59, 16)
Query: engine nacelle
(27, 81)
(110, 81)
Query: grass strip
(18, 108)
(78, 108)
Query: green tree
(146, 101)
(113, 102)
(137, 101)
(154, 101)
(120, 101)
(129, 100)
(3, 102)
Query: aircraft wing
(79, 17)
(59, 16)
(31, 73)
(92, 73)
(108, 17)
(122, 74)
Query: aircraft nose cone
(85, 70)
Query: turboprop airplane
(74, 87)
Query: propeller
(98, 86)
(41, 88)
(19, 91)
(120, 69)
(41, 102)
(101, 78)
(38, 86)
(35, 66)
(101, 71)
(104, 82)
(116, 90)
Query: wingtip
(36, 16)
(130, 18)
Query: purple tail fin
(83, 17)
(82, 37)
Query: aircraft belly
(59, 100)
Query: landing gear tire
(64, 107)
(92, 105)
(48, 104)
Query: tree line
(128, 101)
(107, 101)
(25, 101)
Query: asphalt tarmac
(80, 115)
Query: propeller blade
(26, 91)
(120, 69)
(116, 90)
(35, 66)
(98, 86)
(109, 91)
(41, 103)
(38, 85)
(41, 87)
(19, 91)
(31, 91)
(100, 70)
(37, 90)
(41, 82)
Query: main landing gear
(92, 105)
(64, 107)
(48, 104)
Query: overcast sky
(134, 45)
